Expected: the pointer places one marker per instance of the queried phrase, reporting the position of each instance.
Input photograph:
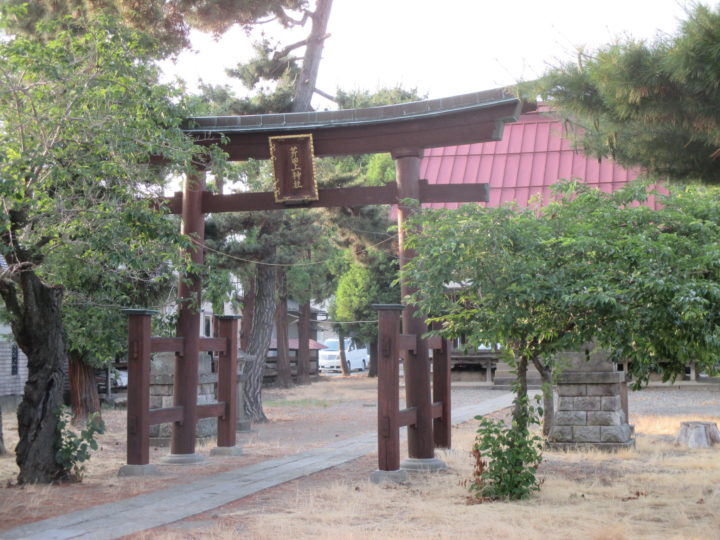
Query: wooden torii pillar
(182, 445)
(416, 363)
(403, 130)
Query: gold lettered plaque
(292, 157)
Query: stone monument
(162, 367)
(592, 409)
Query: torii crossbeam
(404, 131)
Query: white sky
(449, 47)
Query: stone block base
(590, 411)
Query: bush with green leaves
(507, 457)
(73, 449)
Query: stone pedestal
(591, 411)
(162, 367)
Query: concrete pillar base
(396, 477)
(423, 465)
(182, 459)
(227, 451)
(138, 470)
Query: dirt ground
(654, 491)
(300, 419)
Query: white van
(329, 358)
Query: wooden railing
(139, 415)
(390, 417)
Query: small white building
(13, 364)
(13, 370)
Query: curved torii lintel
(464, 119)
(404, 130)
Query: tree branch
(282, 54)
(300, 22)
(8, 292)
(325, 95)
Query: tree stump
(698, 434)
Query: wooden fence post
(138, 406)
(442, 394)
(388, 386)
(226, 327)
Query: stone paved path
(150, 510)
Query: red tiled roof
(530, 157)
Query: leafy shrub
(507, 457)
(74, 449)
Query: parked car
(357, 357)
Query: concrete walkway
(150, 510)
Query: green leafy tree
(649, 104)
(365, 284)
(125, 264)
(590, 265)
(657, 273)
(494, 275)
(82, 118)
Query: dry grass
(656, 490)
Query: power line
(286, 265)
(347, 322)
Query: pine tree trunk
(259, 341)
(548, 401)
(84, 397)
(303, 353)
(373, 370)
(38, 330)
(341, 350)
(313, 54)
(247, 318)
(284, 373)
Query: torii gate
(404, 131)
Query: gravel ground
(653, 400)
(464, 396)
(675, 401)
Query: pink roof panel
(531, 157)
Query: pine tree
(649, 104)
